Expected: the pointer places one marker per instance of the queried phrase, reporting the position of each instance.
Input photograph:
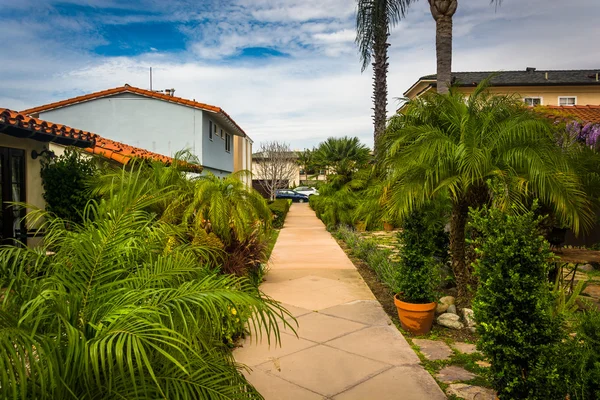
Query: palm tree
(444, 145)
(342, 156)
(374, 18)
(306, 161)
(110, 309)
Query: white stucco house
(158, 122)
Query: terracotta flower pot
(388, 227)
(415, 318)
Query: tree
(275, 166)
(342, 156)
(306, 161)
(374, 18)
(446, 145)
(118, 311)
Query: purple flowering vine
(588, 134)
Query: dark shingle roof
(526, 78)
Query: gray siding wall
(151, 124)
(213, 151)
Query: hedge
(280, 208)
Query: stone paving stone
(454, 373)
(323, 369)
(271, 387)
(433, 350)
(466, 348)
(483, 364)
(403, 382)
(365, 311)
(469, 392)
(381, 343)
(296, 311)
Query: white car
(309, 191)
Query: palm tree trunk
(380, 70)
(443, 11)
(458, 223)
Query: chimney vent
(170, 92)
(530, 69)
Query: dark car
(290, 194)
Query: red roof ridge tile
(132, 89)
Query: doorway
(12, 189)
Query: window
(567, 101)
(228, 142)
(215, 129)
(533, 101)
(210, 130)
(222, 136)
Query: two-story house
(159, 122)
(536, 87)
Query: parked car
(309, 191)
(290, 194)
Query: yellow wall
(242, 156)
(33, 181)
(586, 95)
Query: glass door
(12, 189)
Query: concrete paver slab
(252, 353)
(348, 346)
(404, 382)
(363, 311)
(381, 343)
(466, 348)
(272, 387)
(469, 392)
(321, 328)
(324, 370)
(433, 350)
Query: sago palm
(451, 146)
(110, 309)
(342, 156)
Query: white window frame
(534, 97)
(210, 130)
(567, 97)
(215, 130)
(222, 133)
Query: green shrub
(280, 208)
(334, 207)
(65, 181)
(582, 358)
(518, 333)
(418, 277)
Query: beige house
(242, 157)
(535, 87)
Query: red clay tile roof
(131, 89)
(91, 142)
(43, 131)
(583, 113)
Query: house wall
(151, 124)
(34, 192)
(293, 182)
(586, 95)
(242, 157)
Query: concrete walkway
(347, 348)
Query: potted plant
(418, 277)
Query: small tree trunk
(443, 11)
(380, 70)
(458, 222)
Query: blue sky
(283, 69)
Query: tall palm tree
(374, 18)
(442, 145)
(109, 309)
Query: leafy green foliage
(449, 146)
(334, 206)
(341, 156)
(124, 307)
(581, 368)
(518, 333)
(418, 277)
(280, 208)
(65, 180)
(368, 251)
